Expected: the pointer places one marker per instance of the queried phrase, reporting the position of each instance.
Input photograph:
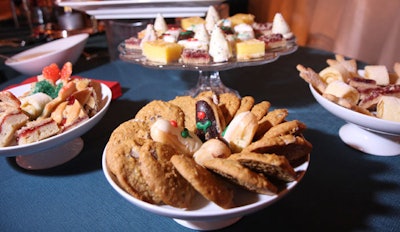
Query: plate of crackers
(42, 128)
(367, 99)
(206, 161)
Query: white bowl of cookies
(42, 121)
(368, 100)
(206, 163)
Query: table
(343, 190)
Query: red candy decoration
(201, 115)
(173, 123)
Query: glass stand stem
(210, 81)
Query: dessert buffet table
(343, 189)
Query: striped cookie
(240, 175)
(271, 165)
(205, 182)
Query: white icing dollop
(279, 26)
(220, 49)
(171, 35)
(149, 34)
(244, 31)
(160, 26)
(201, 33)
(212, 17)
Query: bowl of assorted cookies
(206, 161)
(368, 100)
(42, 121)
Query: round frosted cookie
(122, 159)
(242, 176)
(188, 106)
(271, 165)
(162, 177)
(161, 109)
(206, 183)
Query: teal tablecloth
(343, 190)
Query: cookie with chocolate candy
(209, 120)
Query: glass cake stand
(209, 78)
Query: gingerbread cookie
(161, 176)
(271, 165)
(240, 175)
(161, 109)
(122, 159)
(206, 183)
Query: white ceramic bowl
(58, 149)
(32, 61)
(206, 215)
(368, 134)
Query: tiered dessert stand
(209, 78)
